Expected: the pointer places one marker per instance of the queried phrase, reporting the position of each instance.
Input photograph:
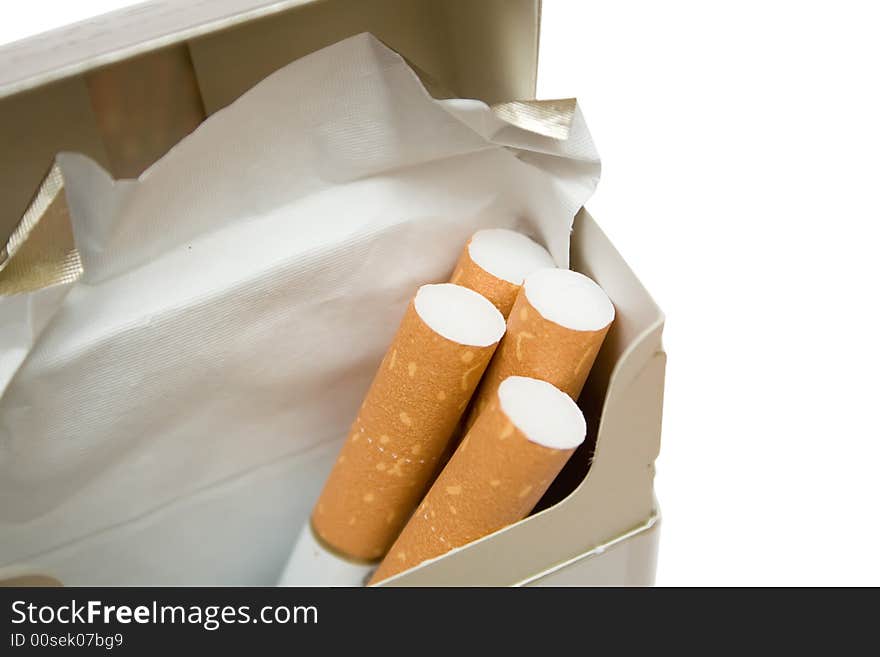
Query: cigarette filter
(498, 473)
(495, 262)
(555, 329)
(442, 348)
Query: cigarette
(554, 332)
(495, 262)
(496, 476)
(443, 346)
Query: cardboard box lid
(508, 31)
(125, 87)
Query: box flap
(176, 62)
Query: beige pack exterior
(165, 68)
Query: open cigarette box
(124, 88)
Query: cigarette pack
(124, 89)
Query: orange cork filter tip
(442, 348)
(555, 330)
(495, 262)
(496, 476)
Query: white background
(741, 180)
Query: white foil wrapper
(176, 417)
(314, 564)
